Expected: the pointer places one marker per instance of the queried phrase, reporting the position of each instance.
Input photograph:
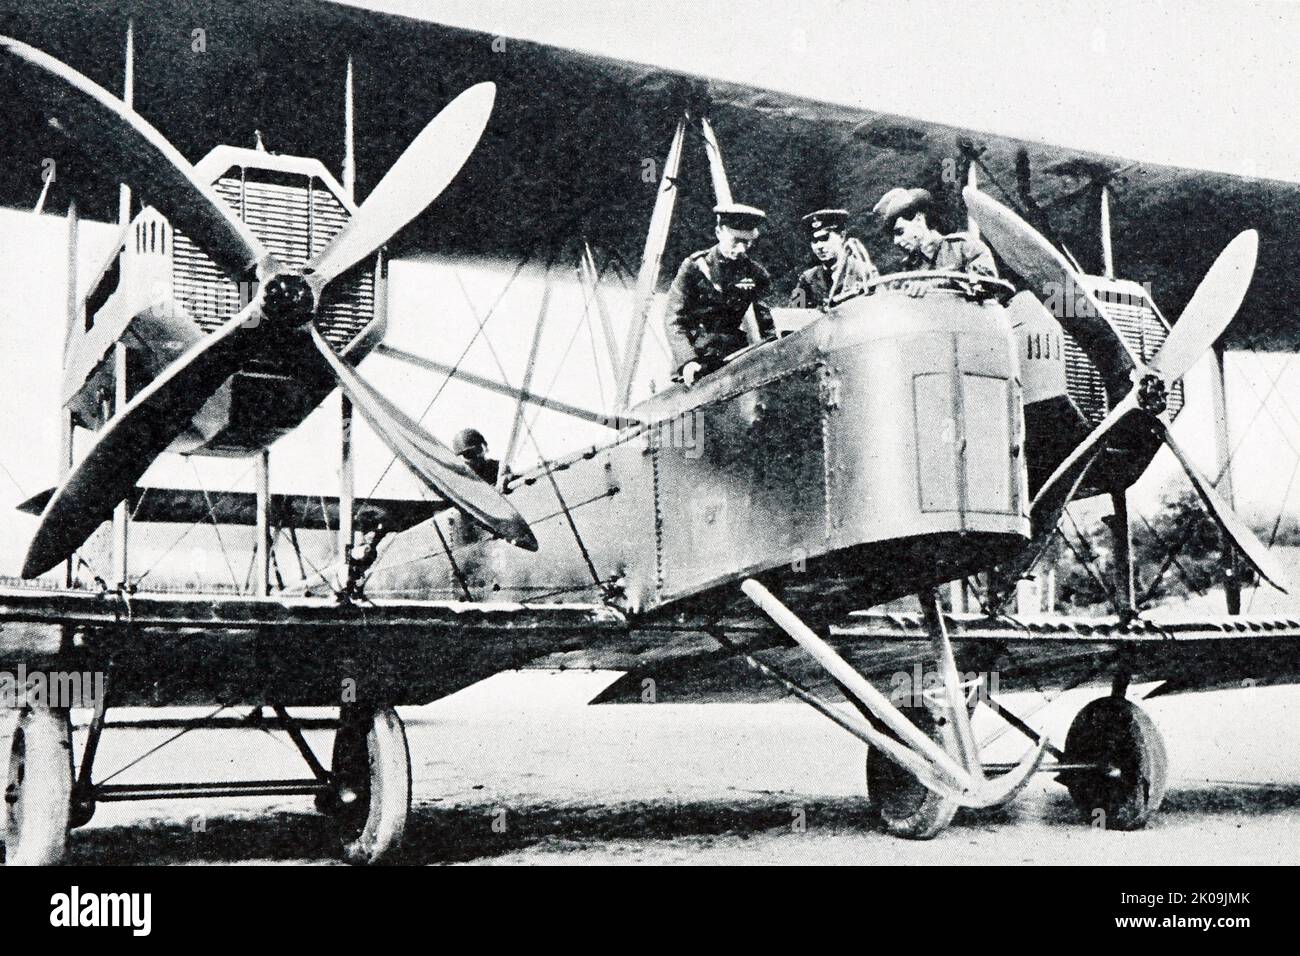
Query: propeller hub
(287, 299)
(1152, 394)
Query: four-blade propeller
(1145, 386)
(281, 315)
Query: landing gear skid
(923, 769)
(905, 807)
(366, 791)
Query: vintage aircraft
(881, 448)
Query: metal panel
(763, 503)
(987, 405)
(936, 441)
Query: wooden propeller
(125, 146)
(1144, 387)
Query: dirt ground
(515, 770)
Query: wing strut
(651, 261)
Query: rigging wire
(212, 513)
(1086, 563)
(464, 352)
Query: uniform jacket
(707, 304)
(813, 289)
(958, 252)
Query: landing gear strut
(933, 761)
(367, 790)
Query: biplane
(880, 448)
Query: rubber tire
(372, 759)
(904, 807)
(1116, 732)
(38, 788)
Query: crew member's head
(470, 445)
(737, 228)
(903, 213)
(371, 523)
(826, 233)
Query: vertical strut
(932, 611)
(122, 513)
(1222, 444)
(347, 480)
(262, 581)
(1122, 534)
(66, 421)
(648, 275)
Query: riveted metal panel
(936, 444)
(748, 487)
(990, 471)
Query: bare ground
(514, 771)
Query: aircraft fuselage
(875, 451)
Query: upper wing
(570, 126)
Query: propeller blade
(1254, 550)
(139, 433)
(1056, 283)
(1057, 490)
(1212, 307)
(121, 143)
(420, 174)
(431, 461)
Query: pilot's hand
(690, 372)
(915, 289)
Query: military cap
(825, 220)
(901, 203)
(739, 216)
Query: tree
(1177, 552)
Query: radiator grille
(294, 216)
(1145, 332)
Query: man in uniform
(713, 290)
(471, 446)
(843, 265)
(904, 213)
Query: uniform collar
(930, 245)
(718, 261)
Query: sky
(1141, 88)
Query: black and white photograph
(662, 433)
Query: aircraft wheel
(906, 808)
(371, 797)
(1118, 736)
(38, 791)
